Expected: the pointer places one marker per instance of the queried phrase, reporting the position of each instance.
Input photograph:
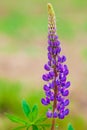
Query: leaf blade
(15, 119)
(34, 127)
(26, 108)
(34, 112)
(41, 119)
(70, 127)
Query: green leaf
(26, 108)
(41, 119)
(34, 112)
(70, 127)
(15, 119)
(19, 128)
(28, 127)
(34, 127)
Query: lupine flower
(56, 87)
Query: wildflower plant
(34, 120)
(56, 87)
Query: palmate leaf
(15, 119)
(34, 127)
(40, 120)
(70, 127)
(28, 127)
(34, 112)
(26, 108)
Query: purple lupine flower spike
(56, 89)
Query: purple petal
(66, 102)
(67, 84)
(49, 49)
(65, 93)
(54, 62)
(63, 59)
(46, 67)
(52, 98)
(58, 82)
(59, 98)
(51, 73)
(57, 43)
(55, 37)
(65, 67)
(52, 85)
(49, 63)
(62, 84)
(49, 56)
(60, 68)
(66, 72)
(59, 59)
(61, 116)
(45, 78)
(50, 42)
(46, 88)
(47, 100)
(66, 112)
(62, 77)
(48, 93)
(55, 115)
(49, 114)
(43, 101)
(58, 49)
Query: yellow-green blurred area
(23, 53)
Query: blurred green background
(23, 43)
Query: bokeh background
(23, 52)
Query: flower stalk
(56, 89)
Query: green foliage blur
(23, 34)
